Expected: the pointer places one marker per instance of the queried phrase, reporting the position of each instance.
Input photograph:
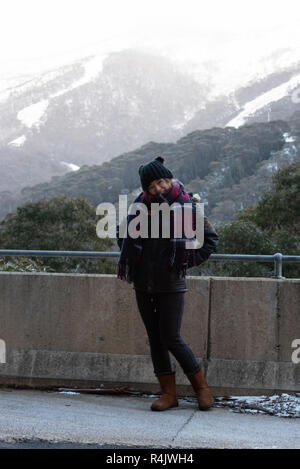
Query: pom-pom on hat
(152, 171)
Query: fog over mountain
(100, 106)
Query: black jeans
(162, 316)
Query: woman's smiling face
(159, 186)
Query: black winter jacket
(151, 277)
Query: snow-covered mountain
(276, 103)
(90, 111)
(272, 97)
(103, 105)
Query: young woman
(157, 269)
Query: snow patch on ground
(71, 393)
(272, 166)
(71, 166)
(18, 142)
(32, 115)
(279, 405)
(288, 138)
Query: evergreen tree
(59, 224)
(272, 225)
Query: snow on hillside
(288, 138)
(188, 115)
(16, 86)
(92, 68)
(18, 142)
(274, 94)
(71, 166)
(32, 115)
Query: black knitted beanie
(153, 170)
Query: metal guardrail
(277, 258)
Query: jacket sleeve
(120, 226)
(119, 240)
(210, 243)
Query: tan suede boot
(204, 396)
(168, 389)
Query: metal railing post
(278, 265)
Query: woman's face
(159, 186)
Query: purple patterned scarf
(179, 258)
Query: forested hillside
(229, 167)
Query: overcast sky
(37, 32)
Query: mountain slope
(230, 168)
(105, 105)
(89, 112)
(271, 97)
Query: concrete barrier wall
(85, 330)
